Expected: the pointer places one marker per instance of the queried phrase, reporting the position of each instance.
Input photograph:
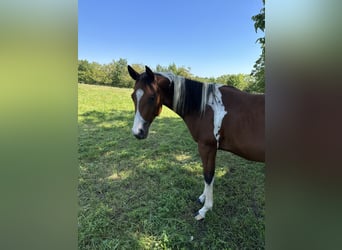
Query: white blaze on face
(138, 120)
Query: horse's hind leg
(208, 155)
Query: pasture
(141, 194)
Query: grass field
(141, 194)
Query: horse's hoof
(199, 217)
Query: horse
(219, 117)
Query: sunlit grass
(141, 194)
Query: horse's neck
(167, 92)
(168, 102)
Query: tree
(120, 77)
(92, 73)
(97, 73)
(160, 68)
(181, 71)
(108, 70)
(259, 67)
(84, 72)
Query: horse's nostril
(140, 134)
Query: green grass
(141, 194)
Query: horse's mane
(189, 96)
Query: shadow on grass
(141, 194)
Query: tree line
(115, 74)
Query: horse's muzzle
(141, 134)
(141, 131)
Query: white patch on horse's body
(138, 120)
(216, 103)
(207, 197)
(211, 95)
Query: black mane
(189, 96)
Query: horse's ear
(149, 72)
(135, 75)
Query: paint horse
(217, 116)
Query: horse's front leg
(208, 155)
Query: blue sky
(211, 37)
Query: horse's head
(147, 101)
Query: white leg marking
(201, 199)
(138, 120)
(208, 204)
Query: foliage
(113, 74)
(84, 72)
(120, 76)
(141, 194)
(259, 67)
(116, 74)
(181, 71)
(240, 81)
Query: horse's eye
(151, 99)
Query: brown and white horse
(217, 116)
